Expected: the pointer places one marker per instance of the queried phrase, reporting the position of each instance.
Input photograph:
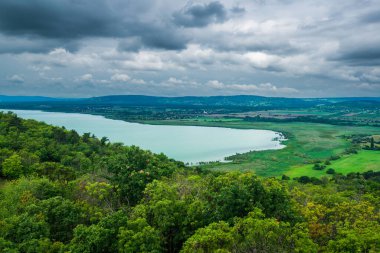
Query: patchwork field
(363, 161)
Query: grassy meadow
(363, 161)
(306, 144)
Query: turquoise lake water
(190, 144)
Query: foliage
(12, 167)
(61, 192)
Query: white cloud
(174, 80)
(85, 78)
(261, 89)
(15, 79)
(138, 81)
(120, 78)
(261, 60)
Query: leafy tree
(12, 167)
(318, 166)
(62, 216)
(138, 236)
(372, 145)
(101, 194)
(216, 237)
(132, 169)
(257, 234)
(91, 239)
(253, 233)
(25, 227)
(41, 245)
(7, 246)
(104, 141)
(304, 179)
(55, 171)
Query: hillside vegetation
(61, 192)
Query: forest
(62, 192)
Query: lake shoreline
(212, 146)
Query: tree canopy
(62, 192)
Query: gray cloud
(200, 15)
(59, 19)
(238, 10)
(363, 57)
(371, 17)
(154, 37)
(175, 47)
(365, 54)
(64, 22)
(21, 44)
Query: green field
(365, 160)
(306, 144)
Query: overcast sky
(292, 48)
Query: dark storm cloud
(132, 44)
(200, 15)
(59, 19)
(238, 9)
(365, 55)
(165, 40)
(68, 21)
(22, 44)
(371, 17)
(159, 36)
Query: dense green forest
(62, 192)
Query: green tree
(12, 167)
(216, 237)
(26, 227)
(255, 233)
(63, 216)
(7, 246)
(55, 171)
(138, 236)
(91, 239)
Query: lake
(190, 144)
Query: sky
(289, 48)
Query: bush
(318, 166)
(304, 180)
(330, 171)
(334, 157)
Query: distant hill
(362, 104)
(213, 101)
(344, 99)
(21, 99)
(242, 100)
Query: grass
(365, 160)
(300, 112)
(307, 143)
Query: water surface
(190, 144)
